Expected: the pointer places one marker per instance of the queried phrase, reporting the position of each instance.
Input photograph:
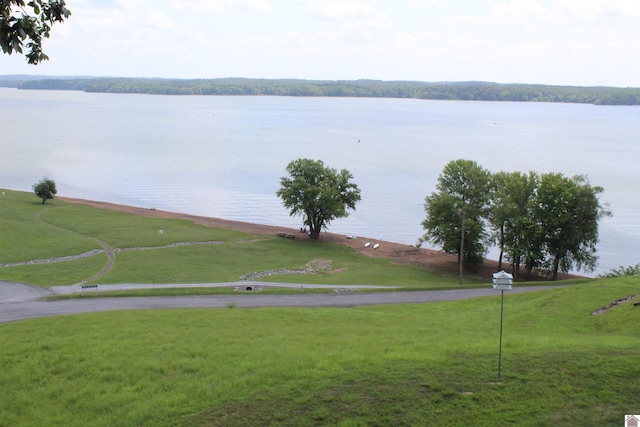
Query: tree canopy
(512, 201)
(457, 211)
(27, 24)
(45, 189)
(318, 193)
(567, 212)
(546, 221)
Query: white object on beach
(366, 245)
(376, 246)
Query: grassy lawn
(122, 230)
(394, 365)
(55, 274)
(31, 231)
(397, 365)
(24, 238)
(229, 261)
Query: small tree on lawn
(45, 189)
(318, 193)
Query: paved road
(19, 302)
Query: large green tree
(45, 189)
(511, 214)
(318, 193)
(27, 24)
(457, 212)
(568, 211)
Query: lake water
(224, 156)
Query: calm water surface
(223, 156)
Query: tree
(318, 193)
(45, 189)
(511, 215)
(568, 211)
(457, 212)
(28, 24)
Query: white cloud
(341, 10)
(597, 10)
(223, 7)
(353, 15)
(526, 13)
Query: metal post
(501, 314)
(461, 212)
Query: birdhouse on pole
(502, 281)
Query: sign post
(501, 281)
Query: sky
(558, 42)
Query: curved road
(19, 301)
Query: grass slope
(423, 364)
(32, 231)
(426, 364)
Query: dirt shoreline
(397, 252)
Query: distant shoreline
(454, 91)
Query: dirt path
(112, 260)
(108, 250)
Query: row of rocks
(614, 304)
(311, 269)
(99, 251)
(256, 275)
(52, 260)
(173, 245)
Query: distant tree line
(463, 91)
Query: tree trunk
(529, 268)
(314, 226)
(556, 264)
(516, 267)
(314, 233)
(501, 246)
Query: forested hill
(467, 91)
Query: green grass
(122, 230)
(24, 238)
(396, 365)
(229, 261)
(55, 274)
(65, 229)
